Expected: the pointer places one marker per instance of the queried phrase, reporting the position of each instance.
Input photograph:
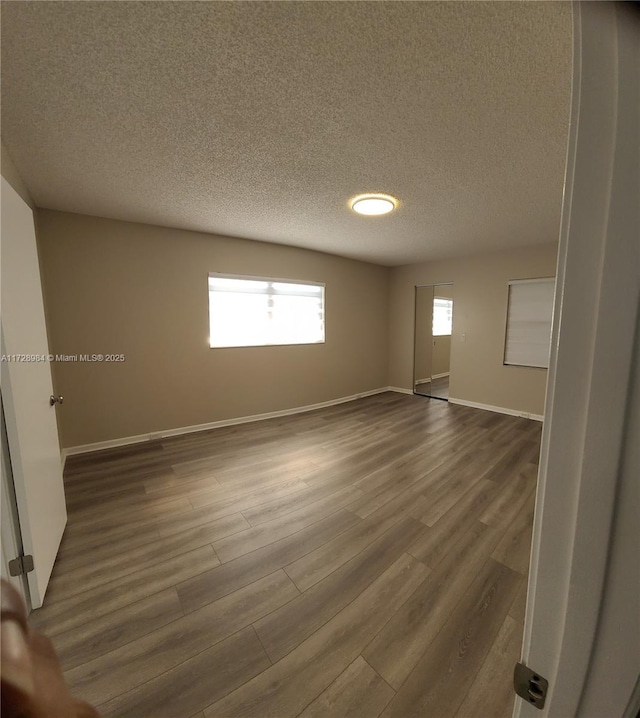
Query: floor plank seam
(320, 518)
(172, 668)
(106, 653)
(444, 619)
(257, 635)
(215, 553)
(300, 591)
(393, 525)
(389, 686)
(383, 626)
(134, 569)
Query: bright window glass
(246, 312)
(442, 316)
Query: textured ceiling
(261, 119)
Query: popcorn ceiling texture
(261, 119)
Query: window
(255, 311)
(442, 316)
(529, 314)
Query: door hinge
(530, 686)
(21, 565)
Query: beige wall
(119, 287)
(480, 288)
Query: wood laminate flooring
(368, 559)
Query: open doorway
(432, 340)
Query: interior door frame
(11, 536)
(596, 308)
(415, 332)
(31, 427)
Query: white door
(9, 527)
(581, 628)
(26, 388)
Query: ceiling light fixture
(373, 204)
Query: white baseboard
(497, 409)
(399, 390)
(429, 378)
(140, 438)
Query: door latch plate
(530, 686)
(21, 565)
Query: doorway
(432, 340)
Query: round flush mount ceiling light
(374, 204)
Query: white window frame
(269, 280)
(540, 313)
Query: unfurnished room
(320, 359)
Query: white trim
(250, 277)
(439, 376)
(533, 280)
(497, 409)
(400, 390)
(588, 384)
(140, 438)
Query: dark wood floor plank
(107, 495)
(64, 615)
(515, 545)
(143, 504)
(274, 468)
(513, 494)
(468, 467)
(285, 628)
(386, 482)
(518, 608)
(136, 559)
(211, 585)
(452, 661)
(358, 692)
(434, 545)
(519, 455)
(204, 487)
(112, 630)
(318, 564)
(93, 548)
(399, 647)
(491, 694)
(135, 663)
(279, 507)
(245, 495)
(152, 509)
(287, 687)
(438, 498)
(258, 536)
(182, 690)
